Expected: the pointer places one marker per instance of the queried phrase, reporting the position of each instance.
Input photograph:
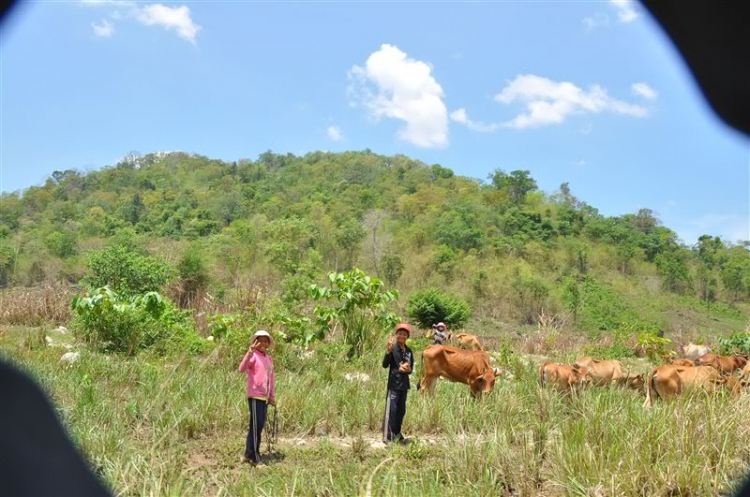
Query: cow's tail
(541, 373)
(421, 372)
(651, 390)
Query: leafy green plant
(126, 272)
(110, 321)
(432, 305)
(359, 310)
(653, 345)
(737, 343)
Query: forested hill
(283, 221)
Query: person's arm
(387, 360)
(272, 386)
(248, 362)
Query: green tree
(432, 305)
(518, 183)
(126, 272)
(393, 268)
(359, 309)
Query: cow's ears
(497, 371)
(480, 378)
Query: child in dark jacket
(400, 361)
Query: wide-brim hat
(403, 326)
(441, 325)
(262, 333)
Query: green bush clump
(113, 322)
(738, 343)
(431, 306)
(126, 272)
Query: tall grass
(37, 305)
(176, 426)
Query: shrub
(738, 343)
(431, 306)
(113, 322)
(126, 272)
(359, 310)
(653, 345)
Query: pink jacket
(260, 376)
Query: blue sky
(586, 92)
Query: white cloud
(625, 10)
(579, 162)
(551, 102)
(461, 117)
(177, 18)
(391, 84)
(595, 21)
(335, 133)
(104, 30)
(644, 90)
(170, 18)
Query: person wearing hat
(400, 361)
(441, 334)
(260, 391)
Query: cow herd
(699, 369)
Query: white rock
(70, 357)
(362, 377)
(61, 330)
(210, 338)
(48, 340)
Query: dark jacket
(397, 380)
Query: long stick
(271, 434)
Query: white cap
(262, 333)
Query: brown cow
(470, 342)
(602, 372)
(470, 367)
(693, 351)
(685, 363)
(746, 372)
(723, 364)
(667, 381)
(562, 376)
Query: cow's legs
(428, 384)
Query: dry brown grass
(36, 306)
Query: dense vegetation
(162, 266)
(282, 222)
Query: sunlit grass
(176, 426)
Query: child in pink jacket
(260, 392)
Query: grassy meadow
(175, 425)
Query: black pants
(258, 414)
(395, 409)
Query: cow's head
(486, 381)
(579, 375)
(636, 382)
(740, 362)
(707, 360)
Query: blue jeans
(395, 410)
(258, 415)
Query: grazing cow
(686, 363)
(723, 364)
(693, 351)
(470, 342)
(746, 372)
(602, 372)
(562, 376)
(470, 367)
(635, 382)
(667, 381)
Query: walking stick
(271, 434)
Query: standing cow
(469, 367)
